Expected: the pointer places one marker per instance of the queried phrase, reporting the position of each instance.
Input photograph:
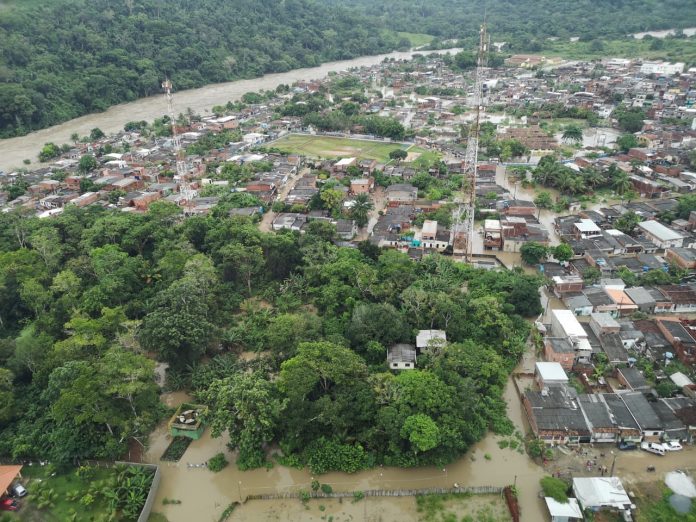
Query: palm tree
(622, 183)
(565, 181)
(593, 178)
(361, 209)
(572, 133)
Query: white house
(660, 235)
(666, 68)
(566, 512)
(596, 493)
(586, 228)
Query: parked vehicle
(653, 447)
(672, 445)
(18, 490)
(8, 504)
(627, 446)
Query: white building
(664, 68)
(660, 235)
(550, 374)
(565, 324)
(563, 512)
(597, 493)
(587, 229)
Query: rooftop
(551, 371)
(660, 231)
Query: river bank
(14, 150)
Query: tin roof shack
(601, 493)
(554, 415)
(188, 421)
(430, 340)
(401, 357)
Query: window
(408, 365)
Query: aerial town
(582, 179)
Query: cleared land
(330, 147)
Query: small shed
(188, 421)
(401, 357)
(428, 338)
(563, 512)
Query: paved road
(268, 217)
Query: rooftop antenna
(185, 189)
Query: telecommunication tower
(464, 213)
(187, 193)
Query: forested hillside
(88, 300)
(63, 58)
(60, 59)
(527, 20)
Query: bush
(555, 488)
(358, 496)
(217, 463)
(326, 489)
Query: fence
(480, 490)
(149, 502)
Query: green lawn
(330, 147)
(416, 39)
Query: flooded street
(14, 150)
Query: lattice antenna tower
(187, 193)
(464, 213)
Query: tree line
(65, 58)
(91, 300)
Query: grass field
(330, 147)
(417, 39)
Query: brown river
(14, 150)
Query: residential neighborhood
(583, 183)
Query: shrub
(327, 489)
(555, 488)
(358, 496)
(217, 463)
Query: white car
(653, 447)
(672, 445)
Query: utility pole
(463, 215)
(185, 189)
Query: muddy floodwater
(14, 150)
(204, 495)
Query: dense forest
(524, 21)
(90, 300)
(63, 58)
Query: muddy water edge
(204, 495)
(14, 150)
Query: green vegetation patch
(330, 147)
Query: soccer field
(330, 147)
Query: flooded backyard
(204, 495)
